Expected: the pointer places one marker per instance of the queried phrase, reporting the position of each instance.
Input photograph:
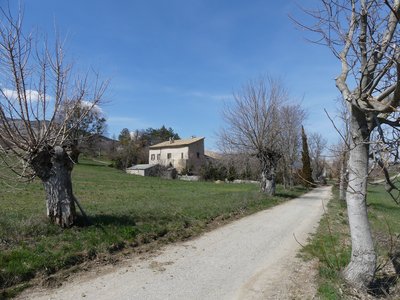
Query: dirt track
(252, 258)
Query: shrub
(211, 172)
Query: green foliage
(152, 136)
(126, 210)
(85, 122)
(306, 172)
(124, 137)
(130, 151)
(187, 171)
(232, 175)
(212, 172)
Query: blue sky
(176, 62)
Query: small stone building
(143, 170)
(180, 154)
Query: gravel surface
(252, 258)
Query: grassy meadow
(331, 245)
(126, 211)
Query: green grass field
(331, 243)
(127, 212)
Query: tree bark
(291, 177)
(268, 181)
(54, 167)
(268, 161)
(74, 152)
(285, 176)
(361, 269)
(343, 178)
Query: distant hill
(92, 143)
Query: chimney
(171, 140)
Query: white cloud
(32, 95)
(89, 105)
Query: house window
(158, 156)
(181, 155)
(198, 154)
(153, 157)
(169, 155)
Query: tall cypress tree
(306, 172)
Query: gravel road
(252, 258)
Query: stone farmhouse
(180, 154)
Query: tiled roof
(176, 143)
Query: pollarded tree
(317, 144)
(254, 126)
(364, 36)
(36, 83)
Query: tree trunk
(54, 167)
(268, 176)
(361, 269)
(291, 180)
(285, 179)
(74, 152)
(269, 161)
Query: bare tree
(292, 116)
(363, 35)
(343, 173)
(317, 145)
(36, 82)
(253, 126)
(342, 149)
(247, 167)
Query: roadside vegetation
(331, 245)
(127, 212)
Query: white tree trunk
(361, 269)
